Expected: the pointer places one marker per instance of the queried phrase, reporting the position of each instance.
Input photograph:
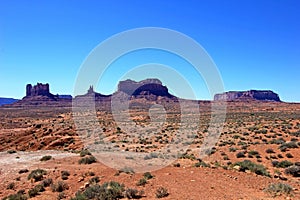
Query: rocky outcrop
(38, 89)
(262, 95)
(143, 88)
(40, 95)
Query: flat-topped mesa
(262, 95)
(144, 87)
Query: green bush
(142, 182)
(11, 151)
(201, 164)
(65, 175)
(94, 180)
(10, 186)
(37, 175)
(293, 170)
(87, 160)
(47, 182)
(283, 164)
(60, 186)
(45, 158)
(132, 193)
(288, 145)
(148, 175)
(270, 151)
(253, 167)
(161, 192)
(127, 170)
(108, 191)
(36, 190)
(17, 196)
(279, 188)
(22, 171)
(85, 152)
(240, 155)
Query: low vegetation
(37, 175)
(277, 189)
(253, 167)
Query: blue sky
(255, 44)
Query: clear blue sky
(254, 43)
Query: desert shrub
(280, 156)
(161, 192)
(17, 196)
(61, 195)
(60, 186)
(201, 164)
(240, 154)
(10, 186)
(279, 188)
(65, 175)
(270, 151)
(94, 180)
(277, 141)
(253, 167)
(148, 175)
(108, 191)
(190, 156)
(226, 158)
(288, 145)
(45, 158)
(87, 160)
(85, 152)
(232, 149)
(22, 171)
(293, 170)
(176, 164)
(297, 133)
(289, 155)
(37, 174)
(253, 153)
(132, 193)
(142, 182)
(283, 164)
(127, 170)
(274, 163)
(36, 190)
(47, 182)
(11, 151)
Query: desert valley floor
(256, 157)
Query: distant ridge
(148, 90)
(261, 95)
(4, 101)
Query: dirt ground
(264, 133)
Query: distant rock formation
(143, 88)
(262, 95)
(39, 95)
(65, 96)
(4, 101)
(39, 91)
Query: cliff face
(145, 87)
(262, 95)
(38, 89)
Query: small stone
(80, 179)
(86, 185)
